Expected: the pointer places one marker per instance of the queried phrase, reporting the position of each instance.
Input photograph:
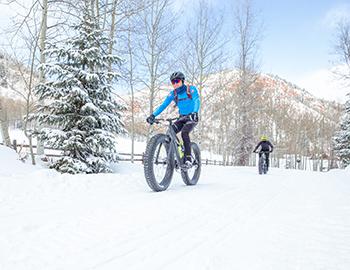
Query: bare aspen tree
(105, 12)
(341, 141)
(154, 45)
(27, 31)
(342, 47)
(119, 18)
(203, 52)
(116, 20)
(4, 129)
(3, 110)
(131, 82)
(131, 74)
(112, 29)
(225, 110)
(97, 9)
(43, 34)
(247, 36)
(28, 105)
(33, 30)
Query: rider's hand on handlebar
(151, 119)
(193, 117)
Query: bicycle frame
(173, 139)
(263, 155)
(262, 161)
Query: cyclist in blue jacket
(187, 100)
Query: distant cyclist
(186, 98)
(265, 146)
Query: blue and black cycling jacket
(265, 146)
(185, 103)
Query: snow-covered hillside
(233, 219)
(12, 77)
(277, 88)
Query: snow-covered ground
(233, 219)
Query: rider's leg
(185, 134)
(178, 125)
(267, 160)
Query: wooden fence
(55, 153)
(290, 163)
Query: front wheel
(158, 163)
(191, 176)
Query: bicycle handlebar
(170, 120)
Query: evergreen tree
(79, 112)
(342, 137)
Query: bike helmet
(263, 138)
(177, 75)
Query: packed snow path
(233, 219)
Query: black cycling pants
(267, 154)
(185, 125)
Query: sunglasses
(175, 81)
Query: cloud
(325, 84)
(336, 14)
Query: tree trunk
(131, 83)
(112, 30)
(43, 31)
(4, 127)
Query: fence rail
(138, 157)
(317, 165)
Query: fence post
(206, 162)
(15, 145)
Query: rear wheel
(261, 164)
(265, 167)
(158, 163)
(191, 175)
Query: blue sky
(299, 35)
(298, 40)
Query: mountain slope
(14, 78)
(279, 90)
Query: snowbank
(10, 164)
(347, 169)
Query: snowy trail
(233, 219)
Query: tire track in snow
(200, 224)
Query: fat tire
(265, 167)
(184, 174)
(260, 167)
(148, 163)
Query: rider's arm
(195, 98)
(256, 147)
(165, 104)
(270, 144)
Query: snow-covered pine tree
(79, 112)
(342, 137)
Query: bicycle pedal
(186, 166)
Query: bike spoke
(160, 162)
